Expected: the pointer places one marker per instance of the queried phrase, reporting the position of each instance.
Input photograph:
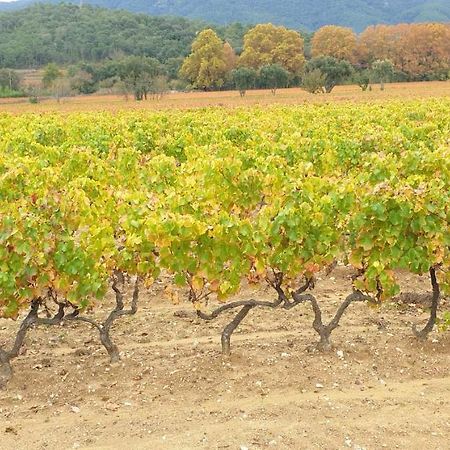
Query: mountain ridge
(298, 14)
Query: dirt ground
(378, 388)
(179, 100)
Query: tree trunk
(422, 334)
(228, 330)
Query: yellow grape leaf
(360, 285)
(198, 283)
(355, 260)
(260, 267)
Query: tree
(334, 70)
(138, 74)
(206, 66)
(9, 79)
(375, 42)
(51, 74)
(273, 77)
(383, 71)
(82, 81)
(230, 57)
(362, 79)
(268, 44)
(159, 87)
(331, 40)
(314, 81)
(243, 79)
(61, 88)
(422, 50)
(172, 67)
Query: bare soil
(229, 99)
(378, 388)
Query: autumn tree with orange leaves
(423, 49)
(418, 50)
(267, 44)
(338, 42)
(231, 58)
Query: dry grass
(232, 99)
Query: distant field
(230, 98)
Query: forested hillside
(66, 34)
(303, 14)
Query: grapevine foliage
(214, 197)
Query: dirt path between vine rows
(378, 388)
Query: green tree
(314, 81)
(383, 71)
(362, 79)
(234, 34)
(9, 79)
(243, 79)
(206, 66)
(334, 70)
(138, 74)
(273, 77)
(172, 67)
(51, 74)
(82, 81)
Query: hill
(66, 34)
(300, 14)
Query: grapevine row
(216, 197)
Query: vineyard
(212, 198)
(208, 203)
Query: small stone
(112, 406)
(75, 409)
(318, 385)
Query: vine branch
(32, 319)
(426, 330)
(325, 330)
(247, 305)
